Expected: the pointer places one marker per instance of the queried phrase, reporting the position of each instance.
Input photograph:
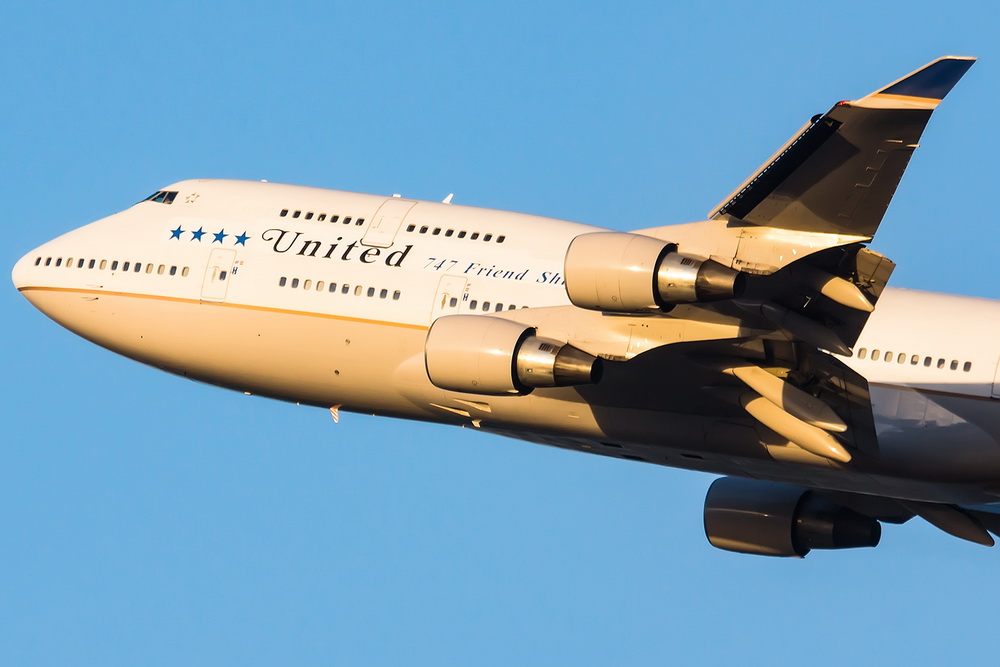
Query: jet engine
(628, 273)
(771, 519)
(480, 354)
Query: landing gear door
(449, 297)
(217, 275)
(386, 222)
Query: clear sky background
(145, 519)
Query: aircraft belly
(378, 368)
(933, 435)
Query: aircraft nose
(22, 270)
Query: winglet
(922, 89)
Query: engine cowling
(620, 272)
(770, 519)
(480, 354)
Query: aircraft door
(217, 275)
(449, 297)
(386, 222)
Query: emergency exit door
(217, 275)
(449, 296)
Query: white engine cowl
(630, 273)
(480, 354)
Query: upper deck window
(162, 197)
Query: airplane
(761, 344)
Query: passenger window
(309, 215)
(954, 364)
(473, 304)
(333, 287)
(346, 289)
(296, 214)
(321, 217)
(486, 306)
(173, 270)
(59, 261)
(79, 262)
(461, 234)
(284, 212)
(437, 230)
(149, 267)
(423, 230)
(371, 292)
(927, 361)
(334, 218)
(410, 228)
(319, 285)
(307, 284)
(125, 266)
(137, 268)
(38, 260)
(940, 363)
(383, 294)
(395, 295)
(511, 307)
(888, 356)
(295, 282)
(474, 236)
(48, 261)
(498, 308)
(357, 290)
(875, 355)
(160, 269)
(862, 353)
(92, 263)
(282, 281)
(914, 360)
(359, 222)
(185, 271)
(901, 359)
(114, 265)
(453, 302)
(967, 366)
(347, 220)
(104, 264)
(449, 232)
(488, 237)
(501, 239)
(222, 275)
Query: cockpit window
(162, 197)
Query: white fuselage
(325, 298)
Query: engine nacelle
(480, 354)
(770, 519)
(630, 273)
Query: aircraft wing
(783, 256)
(839, 172)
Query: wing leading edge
(839, 172)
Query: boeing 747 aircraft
(761, 344)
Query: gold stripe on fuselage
(269, 309)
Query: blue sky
(145, 519)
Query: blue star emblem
(242, 239)
(219, 235)
(176, 233)
(196, 236)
